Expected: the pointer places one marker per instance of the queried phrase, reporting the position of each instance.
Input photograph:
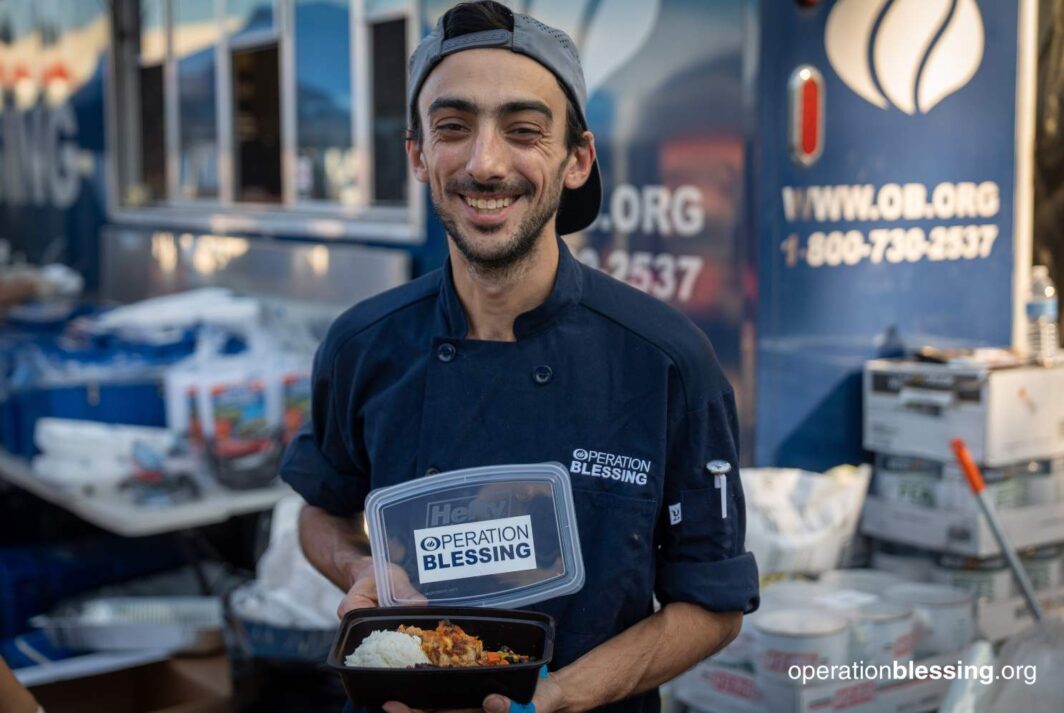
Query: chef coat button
(432, 470)
(542, 374)
(445, 352)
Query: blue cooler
(108, 384)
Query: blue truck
(813, 183)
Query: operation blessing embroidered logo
(599, 464)
(475, 549)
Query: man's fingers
(354, 601)
(402, 589)
(545, 699)
(410, 596)
(496, 704)
(397, 707)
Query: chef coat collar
(568, 285)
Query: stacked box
(923, 518)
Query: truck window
(326, 167)
(194, 41)
(389, 111)
(256, 125)
(296, 105)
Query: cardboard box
(713, 688)
(942, 485)
(1001, 619)
(187, 685)
(958, 532)
(1004, 415)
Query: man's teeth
(489, 203)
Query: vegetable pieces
(449, 646)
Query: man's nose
(487, 163)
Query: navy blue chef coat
(621, 388)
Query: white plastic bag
(800, 522)
(288, 591)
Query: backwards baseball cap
(547, 45)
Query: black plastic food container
(524, 632)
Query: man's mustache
(517, 187)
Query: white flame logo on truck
(921, 50)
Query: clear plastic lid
(499, 536)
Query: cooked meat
(448, 645)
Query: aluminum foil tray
(185, 624)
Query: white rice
(388, 649)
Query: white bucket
(945, 616)
(909, 563)
(883, 632)
(871, 581)
(799, 636)
(796, 637)
(787, 594)
(791, 594)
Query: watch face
(718, 467)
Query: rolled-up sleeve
(318, 463)
(701, 555)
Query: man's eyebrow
(516, 107)
(463, 105)
(511, 107)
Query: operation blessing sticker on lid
(475, 549)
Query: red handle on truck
(968, 466)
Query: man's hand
(548, 698)
(13, 697)
(363, 593)
(338, 548)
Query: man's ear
(417, 160)
(583, 158)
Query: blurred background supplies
(1040, 647)
(37, 578)
(178, 624)
(92, 456)
(1043, 313)
(246, 461)
(287, 590)
(37, 295)
(803, 623)
(261, 392)
(799, 521)
(50, 378)
(160, 317)
(279, 628)
(944, 616)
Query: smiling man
(514, 352)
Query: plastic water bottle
(1042, 314)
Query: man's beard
(509, 257)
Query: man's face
(493, 152)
